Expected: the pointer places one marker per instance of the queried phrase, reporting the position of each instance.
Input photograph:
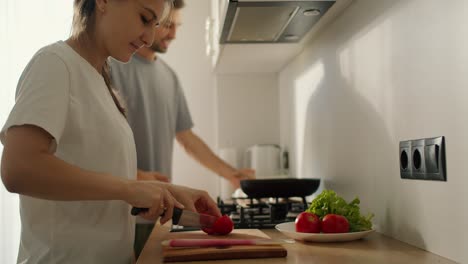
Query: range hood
(271, 21)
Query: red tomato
(307, 223)
(208, 230)
(222, 226)
(333, 223)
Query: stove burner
(261, 213)
(258, 213)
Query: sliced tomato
(222, 226)
(208, 230)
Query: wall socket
(423, 159)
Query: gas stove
(258, 213)
(262, 213)
(267, 202)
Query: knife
(223, 242)
(185, 217)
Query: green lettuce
(328, 202)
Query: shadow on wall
(346, 141)
(345, 138)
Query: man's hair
(178, 4)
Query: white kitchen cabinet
(212, 29)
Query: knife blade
(185, 217)
(193, 219)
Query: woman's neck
(90, 51)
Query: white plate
(289, 229)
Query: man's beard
(156, 48)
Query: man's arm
(196, 148)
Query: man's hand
(151, 176)
(242, 174)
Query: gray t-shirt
(156, 109)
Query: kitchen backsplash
(383, 72)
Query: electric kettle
(264, 159)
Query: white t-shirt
(62, 93)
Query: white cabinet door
(211, 32)
(213, 27)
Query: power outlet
(406, 163)
(419, 162)
(435, 159)
(423, 159)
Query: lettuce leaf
(328, 202)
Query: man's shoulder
(134, 62)
(113, 63)
(167, 67)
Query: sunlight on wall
(25, 27)
(365, 63)
(304, 88)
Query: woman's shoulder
(61, 55)
(58, 50)
(49, 59)
(48, 66)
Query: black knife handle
(137, 210)
(175, 215)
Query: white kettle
(264, 159)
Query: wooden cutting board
(216, 253)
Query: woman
(68, 150)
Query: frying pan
(283, 188)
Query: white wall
(22, 24)
(247, 113)
(187, 57)
(383, 72)
(247, 109)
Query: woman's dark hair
(178, 4)
(83, 19)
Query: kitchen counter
(375, 248)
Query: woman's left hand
(195, 200)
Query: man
(157, 112)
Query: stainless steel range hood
(271, 21)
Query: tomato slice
(222, 226)
(208, 230)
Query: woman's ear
(101, 5)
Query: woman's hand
(153, 195)
(195, 200)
